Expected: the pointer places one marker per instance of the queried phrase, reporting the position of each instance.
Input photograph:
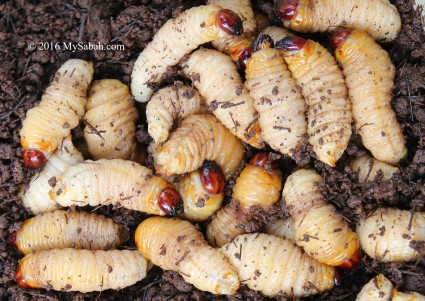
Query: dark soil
(25, 74)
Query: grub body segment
(111, 182)
(322, 84)
(36, 196)
(110, 118)
(369, 75)
(380, 288)
(200, 138)
(379, 18)
(61, 229)
(81, 270)
(280, 105)
(255, 188)
(170, 104)
(177, 245)
(176, 38)
(368, 169)
(218, 81)
(319, 228)
(60, 109)
(273, 266)
(199, 204)
(388, 233)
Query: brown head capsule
(212, 177)
(337, 278)
(263, 41)
(262, 159)
(170, 201)
(291, 43)
(243, 58)
(12, 238)
(33, 158)
(352, 261)
(287, 9)
(339, 37)
(230, 22)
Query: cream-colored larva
(276, 33)
(369, 169)
(176, 38)
(319, 228)
(238, 48)
(61, 229)
(282, 228)
(199, 138)
(280, 105)
(169, 104)
(110, 118)
(256, 187)
(274, 266)
(59, 111)
(322, 84)
(387, 234)
(36, 196)
(116, 182)
(379, 18)
(202, 192)
(217, 79)
(177, 245)
(369, 75)
(381, 289)
(81, 270)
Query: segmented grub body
(236, 46)
(177, 245)
(387, 234)
(255, 188)
(36, 196)
(60, 109)
(176, 38)
(169, 104)
(379, 18)
(319, 228)
(81, 270)
(200, 138)
(273, 266)
(276, 33)
(325, 93)
(117, 182)
(280, 105)
(369, 169)
(282, 228)
(369, 75)
(61, 229)
(198, 203)
(110, 118)
(217, 79)
(380, 288)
